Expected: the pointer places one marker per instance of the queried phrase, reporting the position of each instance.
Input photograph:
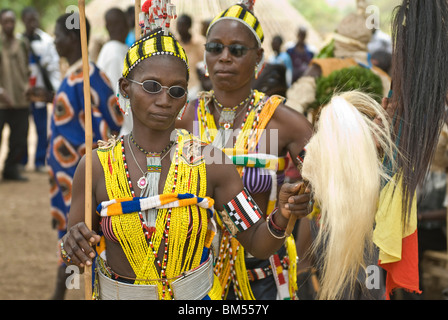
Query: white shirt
(111, 60)
(48, 57)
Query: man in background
(112, 54)
(14, 106)
(44, 81)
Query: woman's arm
(78, 240)
(295, 131)
(257, 239)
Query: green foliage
(322, 17)
(327, 51)
(347, 79)
(325, 18)
(49, 10)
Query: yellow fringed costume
(181, 233)
(231, 266)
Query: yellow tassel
(292, 270)
(215, 292)
(241, 274)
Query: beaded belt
(191, 285)
(262, 273)
(259, 273)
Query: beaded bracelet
(240, 213)
(64, 253)
(274, 230)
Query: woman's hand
(291, 203)
(76, 246)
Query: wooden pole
(137, 19)
(293, 219)
(88, 137)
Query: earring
(256, 71)
(182, 111)
(128, 106)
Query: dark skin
(232, 83)
(154, 118)
(31, 22)
(117, 25)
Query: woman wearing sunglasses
(256, 132)
(155, 192)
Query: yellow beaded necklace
(181, 248)
(231, 266)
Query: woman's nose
(225, 54)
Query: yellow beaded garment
(181, 232)
(230, 266)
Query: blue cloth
(284, 59)
(130, 39)
(67, 143)
(40, 121)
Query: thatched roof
(276, 16)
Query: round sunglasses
(153, 87)
(237, 50)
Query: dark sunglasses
(153, 87)
(236, 50)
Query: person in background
(112, 54)
(251, 127)
(281, 57)
(204, 79)
(67, 142)
(300, 55)
(45, 80)
(14, 106)
(130, 14)
(194, 46)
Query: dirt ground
(28, 244)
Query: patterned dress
(67, 142)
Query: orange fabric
(404, 273)
(397, 241)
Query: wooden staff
(137, 19)
(88, 138)
(293, 219)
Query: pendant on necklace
(226, 118)
(142, 182)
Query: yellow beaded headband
(156, 43)
(242, 14)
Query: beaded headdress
(242, 12)
(156, 39)
(155, 20)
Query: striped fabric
(240, 13)
(243, 211)
(154, 44)
(163, 201)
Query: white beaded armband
(240, 213)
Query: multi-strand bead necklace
(228, 115)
